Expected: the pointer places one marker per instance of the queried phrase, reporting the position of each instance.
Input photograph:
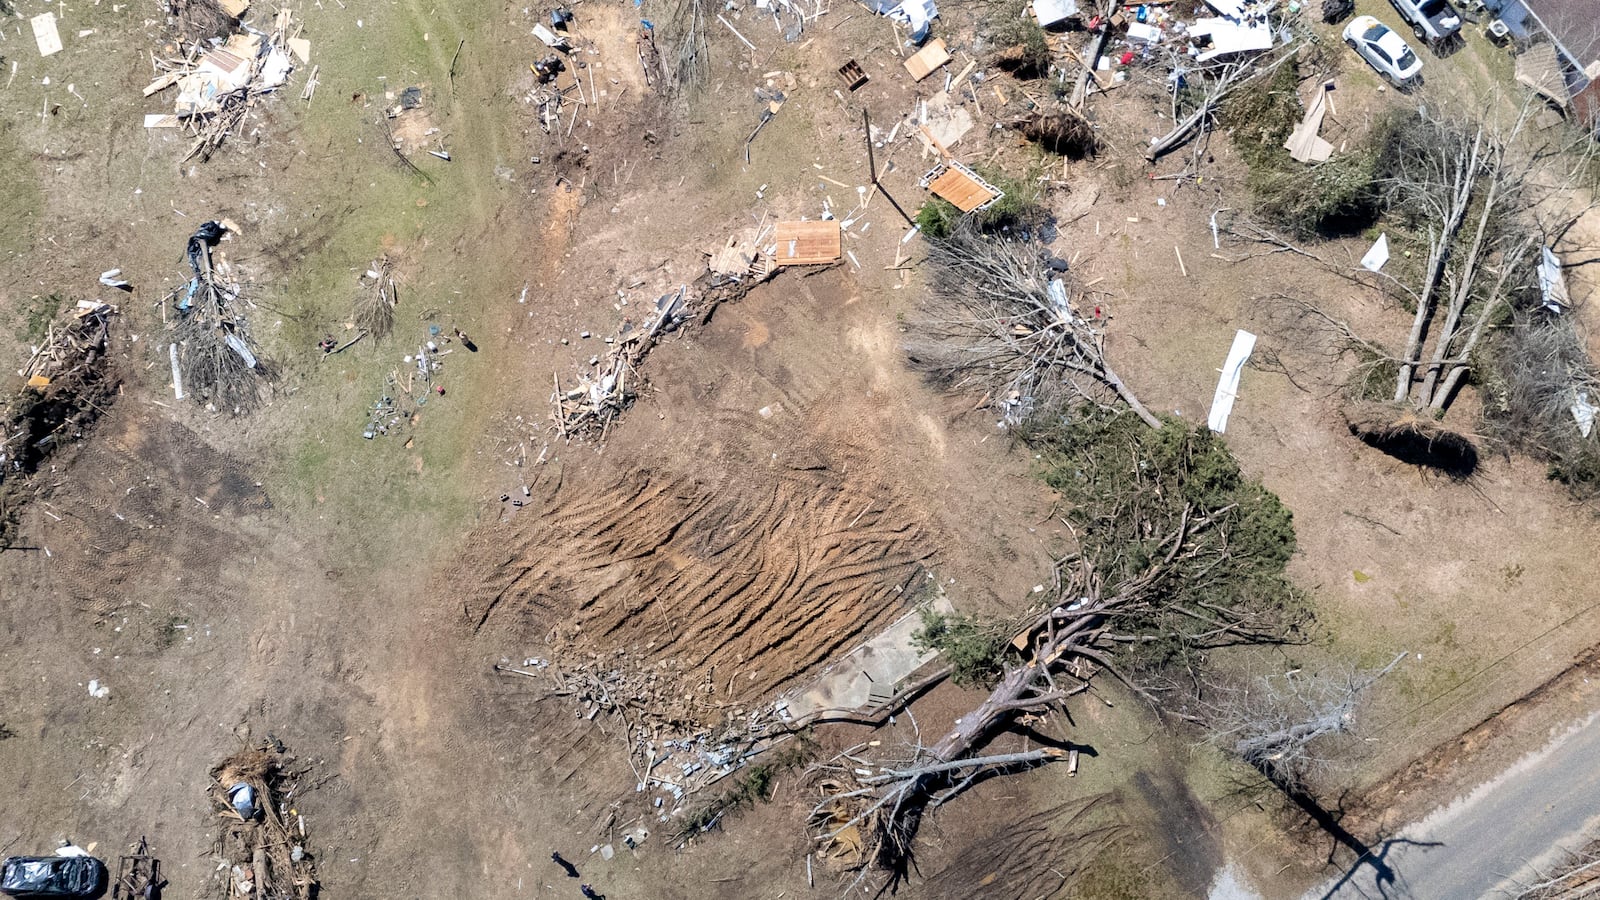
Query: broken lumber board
(807, 243)
(164, 82)
(925, 61)
(956, 82)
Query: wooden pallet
(961, 186)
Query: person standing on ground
(589, 894)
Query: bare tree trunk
(1003, 759)
(1115, 381)
(1402, 382)
(975, 725)
(1463, 293)
(1465, 175)
(1463, 361)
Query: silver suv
(1433, 21)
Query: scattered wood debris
(671, 748)
(218, 85)
(610, 386)
(407, 388)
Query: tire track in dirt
(745, 579)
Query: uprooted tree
(1002, 321)
(1279, 724)
(1178, 554)
(1479, 200)
(1472, 193)
(70, 382)
(215, 357)
(1206, 89)
(1541, 395)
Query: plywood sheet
(925, 61)
(961, 190)
(807, 243)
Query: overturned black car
(52, 876)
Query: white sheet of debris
(1228, 385)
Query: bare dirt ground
(781, 492)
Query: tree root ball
(1412, 437)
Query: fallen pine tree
(1179, 554)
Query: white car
(1385, 50)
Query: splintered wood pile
(261, 849)
(72, 346)
(217, 86)
(609, 387)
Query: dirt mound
(745, 581)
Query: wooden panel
(807, 243)
(924, 61)
(955, 186)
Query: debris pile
(410, 128)
(671, 749)
(69, 384)
(212, 352)
(262, 846)
(74, 346)
(610, 384)
(1153, 31)
(218, 80)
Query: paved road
(1478, 845)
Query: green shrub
(973, 649)
(1334, 197)
(938, 217)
